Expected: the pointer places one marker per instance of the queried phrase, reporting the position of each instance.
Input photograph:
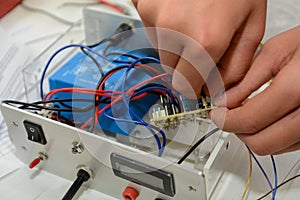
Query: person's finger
(280, 98)
(259, 73)
(237, 59)
(282, 136)
(192, 70)
(294, 147)
(200, 53)
(188, 82)
(149, 18)
(145, 9)
(267, 63)
(134, 2)
(169, 47)
(151, 34)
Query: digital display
(143, 174)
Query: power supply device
(111, 121)
(80, 72)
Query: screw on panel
(77, 148)
(15, 124)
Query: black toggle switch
(35, 132)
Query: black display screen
(143, 174)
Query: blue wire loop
(126, 102)
(67, 47)
(148, 126)
(125, 78)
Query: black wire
(96, 100)
(105, 49)
(101, 42)
(197, 144)
(82, 176)
(91, 57)
(103, 88)
(122, 54)
(95, 61)
(280, 185)
(35, 106)
(107, 74)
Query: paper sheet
(13, 59)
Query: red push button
(130, 193)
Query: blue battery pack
(81, 72)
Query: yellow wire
(249, 177)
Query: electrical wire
(64, 48)
(104, 93)
(101, 84)
(76, 46)
(141, 122)
(249, 177)
(95, 61)
(91, 57)
(210, 133)
(120, 97)
(124, 79)
(275, 177)
(103, 79)
(292, 168)
(75, 3)
(114, 53)
(47, 13)
(131, 66)
(114, 6)
(280, 185)
(159, 146)
(36, 106)
(262, 170)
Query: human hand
(269, 123)
(228, 30)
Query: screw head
(77, 148)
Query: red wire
(50, 94)
(142, 66)
(120, 97)
(156, 72)
(104, 92)
(113, 6)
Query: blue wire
(261, 169)
(125, 99)
(274, 190)
(125, 78)
(153, 127)
(164, 139)
(66, 47)
(127, 104)
(160, 147)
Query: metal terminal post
(77, 147)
